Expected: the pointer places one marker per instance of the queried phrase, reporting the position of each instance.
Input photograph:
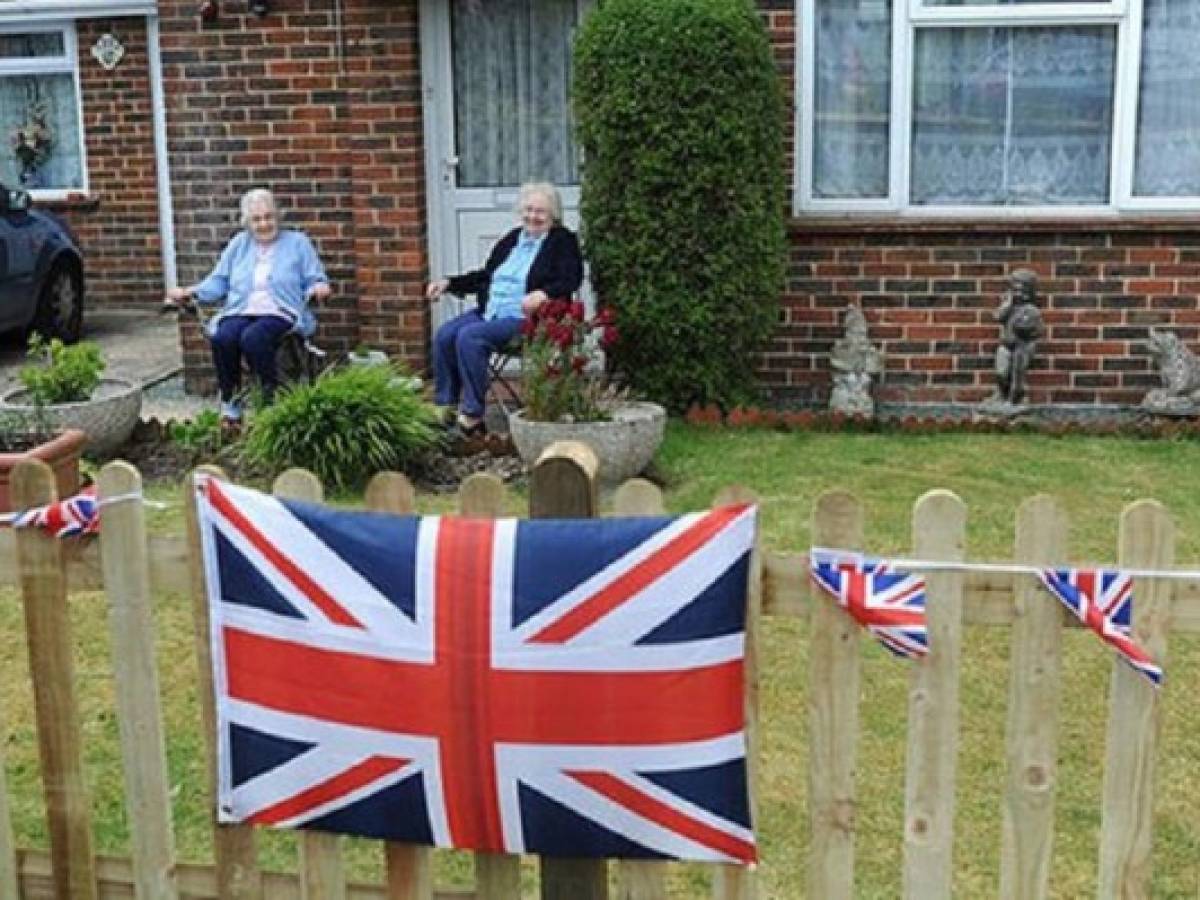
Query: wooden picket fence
(130, 565)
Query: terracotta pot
(60, 453)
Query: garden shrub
(681, 124)
(346, 426)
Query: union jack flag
(889, 604)
(1102, 599)
(77, 515)
(548, 686)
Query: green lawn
(1094, 478)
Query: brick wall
(117, 224)
(329, 119)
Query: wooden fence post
(497, 875)
(1034, 692)
(409, 875)
(321, 872)
(8, 843)
(52, 670)
(638, 879)
(131, 627)
(833, 684)
(732, 882)
(1147, 541)
(939, 527)
(238, 877)
(563, 484)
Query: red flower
(578, 363)
(609, 336)
(576, 311)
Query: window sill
(890, 223)
(62, 201)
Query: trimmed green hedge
(681, 122)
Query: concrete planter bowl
(624, 445)
(108, 419)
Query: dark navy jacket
(557, 269)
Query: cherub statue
(855, 362)
(1020, 327)
(1179, 371)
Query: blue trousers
(256, 338)
(461, 350)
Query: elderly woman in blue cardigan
(266, 276)
(536, 261)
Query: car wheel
(60, 305)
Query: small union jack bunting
(1103, 600)
(890, 604)
(77, 515)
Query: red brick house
(935, 145)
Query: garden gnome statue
(1179, 372)
(1020, 327)
(855, 362)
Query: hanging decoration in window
(108, 51)
(32, 141)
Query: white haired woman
(536, 261)
(266, 277)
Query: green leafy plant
(559, 345)
(201, 434)
(61, 373)
(347, 425)
(683, 190)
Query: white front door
(497, 88)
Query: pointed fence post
(126, 570)
(833, 685)
(939, 533)
(238, 877)
(409, 874)
(1034, 693)
(1147, 541)
(52, 670)
(8, 844)
(732, 882)
(321, 872)
(563, 485)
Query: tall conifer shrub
(681, 122)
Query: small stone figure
(855, 362)
(1179, 371)
(1020, 327)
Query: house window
(41, 146)
(964, 106)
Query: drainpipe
(166, 210)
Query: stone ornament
(108, 51)
(1021, 326)
(1179, 373)
(855, 364)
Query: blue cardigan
(295, 271)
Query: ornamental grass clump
(347, 425)
(557, 363)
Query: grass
(1095, 478)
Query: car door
(19, 246)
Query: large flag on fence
(888, 603)
(1103, 600)
(565, 687)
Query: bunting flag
(564, 687)
(77, 515)
(890, 604)
(1102, 599)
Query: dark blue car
(41, 271)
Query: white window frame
(910, 15)
(68, 63)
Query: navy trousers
(461, 350)
(256, 338)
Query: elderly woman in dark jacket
(533, 263)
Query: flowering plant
(559, 345)
(33, 139)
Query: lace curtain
(1013, 116)
(55, 94)
(512, 88)
(1168, 147)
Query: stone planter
(107, 419)
(624, 445)
(60, 453)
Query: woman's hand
(321, 291)
(177, 296)
(436, 288)
(533, 302)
